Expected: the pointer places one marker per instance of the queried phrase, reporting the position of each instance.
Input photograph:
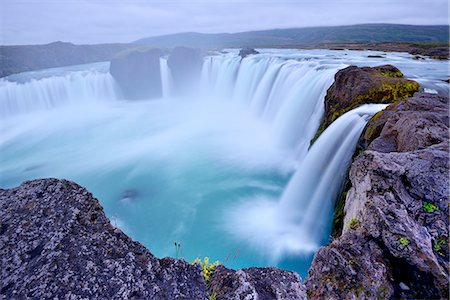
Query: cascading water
(45, 93)
(226, 173)
(298, 223)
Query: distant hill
(365, 33)
(15, 59)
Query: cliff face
(395, 233)
(55, 241)
(138, 73)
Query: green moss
(429, 207)
(354, 223)
(403, 241)
(389, 93)
(397, 74)
(438, 245)
(338, 217)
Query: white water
(227, 173)
(299, 221)
(53, 91)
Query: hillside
(366, 33)
(15, 59)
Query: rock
(138, 74)
(185, 65)
(399, 197)
(247, 51)
(354, 86)
(56, 242)
(375, 56)
(403, 286)
(416, 123)
(256, 283)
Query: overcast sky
(99, 21)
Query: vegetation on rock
(355, 86)
(207, 267)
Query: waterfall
(299, 222)
(309, 197)
(287, 94)
(239, 147)
(166, 80)
(44, 93)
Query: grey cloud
(82, 21)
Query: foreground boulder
(56, 242)
(394, 241)
(354, 86)
(138, 74)
(256, 283)
(185, 65)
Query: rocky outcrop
(56, 242)
(138, 73)
(354, 86)
(185, 66)
(394, 241)
(256, 283)
(247, 51)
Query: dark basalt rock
(256, 283)
(247, 51)
(395, 234)
(185, 66)
(138, 73)
(354, 86)
(56, 242)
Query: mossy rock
(354, 86)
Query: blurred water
(213, 172)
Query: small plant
(178, 250)
(207, 268)
(354, 223)
(429, 207)
(438, 245)
(404, 241)
(213, 296)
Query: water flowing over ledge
(203, 169)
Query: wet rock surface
(247, 51)
(354, 86)
(56, 242)
(394, 241)
(185, 65)
(138, 74)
